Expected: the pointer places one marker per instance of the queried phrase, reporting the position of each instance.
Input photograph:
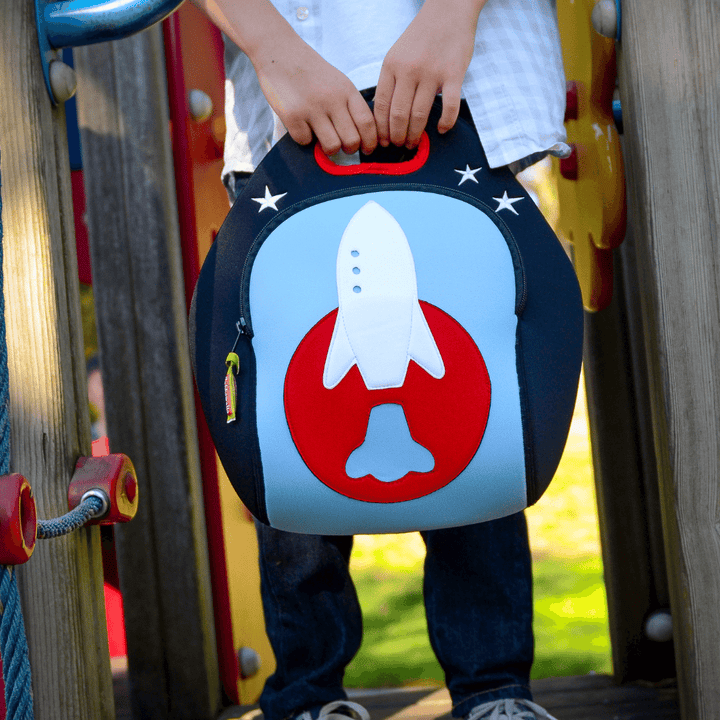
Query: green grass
(571, 632)
(570, 625)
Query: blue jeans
(478, 601)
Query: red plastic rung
(18, 520)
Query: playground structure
(153, 202)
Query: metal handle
(72, 23)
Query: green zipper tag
(232, 361)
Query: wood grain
(142, 333)
(625, 472)
(587, 697)
(670, 92)
(61, 587)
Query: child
(310, 61)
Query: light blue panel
(388, 452)
(464, 267)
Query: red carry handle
(376, 168)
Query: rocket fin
(340, 357)
(423, 349)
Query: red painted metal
(18, 520)
(114, 475)
(194, 57)
(82, 242)
(115, 621)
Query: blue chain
(13, 643)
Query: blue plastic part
(617, 115)
(618, 7)
(72, 23)
(71, 120)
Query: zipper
(246, 326)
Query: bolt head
(249, 662)
(201, 105)
(63, 81)
(658, 626)
(604, 18)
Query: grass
(571, 633)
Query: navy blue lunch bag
(389, 346)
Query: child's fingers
(400, 109)
(347, 132)
(300, 131)
(451, 94)
(383, 100)
(364, 122)
(327, 135)
(422, 103)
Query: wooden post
(142, 333)
(61, 586)
(626, 477)
(670, 91)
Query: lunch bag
(386, 346)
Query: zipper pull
(232, 361)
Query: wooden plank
(626, 478)
(61, 587)
(598, 697)
(586, 697)
(670, 93)
(142, 332)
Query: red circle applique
(447, 416)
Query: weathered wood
(626, 477)
(140, 308)
(670, 91)
(587, 697)
(61, 587)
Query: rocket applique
(380, 326)
(368, 423)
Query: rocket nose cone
(374, 256)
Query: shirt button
(302, 13)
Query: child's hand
(311, 96)
(431, 56)
(308, 94)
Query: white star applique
(506, 203)
(269, 200)
(468, 174)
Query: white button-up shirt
(514, 86)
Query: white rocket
(380, 325)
